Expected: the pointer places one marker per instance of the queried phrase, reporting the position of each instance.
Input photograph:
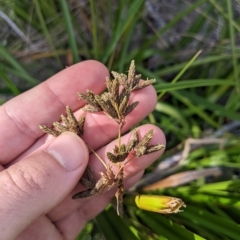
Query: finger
(100, 129)
(40, 229)
(71, 226)
(68, 206)
(137, 163)
(44, 104)
(33, 186)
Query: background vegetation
(198, 96)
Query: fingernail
(69, 150)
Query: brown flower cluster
(115, 104)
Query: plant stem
(104, 164)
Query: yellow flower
(160, 204)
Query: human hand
(39, 174)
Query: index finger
(20, 117)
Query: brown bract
(115, 103)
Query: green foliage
(197, 92)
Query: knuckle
(26, 179)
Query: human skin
(39, 173)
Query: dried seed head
(130, 108)
(89, 108)
(122, 78)
(89, 97)
(132, 81)
(141, 147)
(108, 83)
(124, 92)
(81, 122)
(70, 124)
(50, 131)
(134, 141)
(123, 105)
(144, 84)
(154, 148)
(73, 124)
(115, 92)
(59, 127)
(120, 157)
(107, 107)
(136, 80)
(115, 104)
(146, 139)
(89, 181)
(64, 120)
(119, 154)
(131, 74)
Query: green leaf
(211, 222)
(69, 26)
(15, 64)
(192, 83)
(121, 27)
(165, 227)
(9, 83)
(217, 109)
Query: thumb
(36, 184)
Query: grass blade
(213, 223)
(233, 46)
(69, 26)
(192, 83)
(94, 29)
(9, 83)
(181, 72)
(106, 227)
(16, 65)
(46, 32)
(131, 14)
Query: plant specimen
(116, 105)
